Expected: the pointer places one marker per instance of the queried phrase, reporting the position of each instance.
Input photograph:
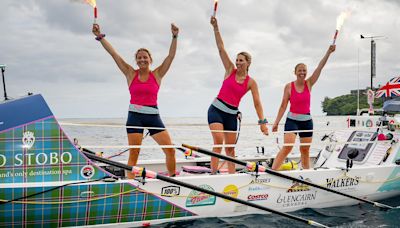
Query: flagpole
(358, 81)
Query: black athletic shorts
(296, 125)
(144, 120)
(229, 121)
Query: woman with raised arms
(298, 119)
(143, 84)
(223, 112)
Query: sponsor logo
(52, 158)
(257, 197)
(259, 184)
(257, 188)
(197, 198)
(299, 187)
(295, 200)
(28, 139)
(342, 182)
(260, 181)
(87, 171)
(171, 191)
(30, 158)
(232, 191)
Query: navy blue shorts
(144, 120)
(229, 121)
(295, 125)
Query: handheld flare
(215, 7)
(339, 23)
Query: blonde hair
(247, 56)
(145, 50)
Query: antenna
(373, 54)
(3, 69)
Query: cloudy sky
(49, 49)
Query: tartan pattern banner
(72, 206)
(41, 152)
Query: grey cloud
(49, 48)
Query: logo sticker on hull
(171, 191)
(87, 171)
(299, 187)
(196, 198)
(232, 191)
(28, 139)
(257, 197)
(343, 183)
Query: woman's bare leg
(230, 138)
(305, 152)
(218, 138)
(289, 138)
(163, 138)
(134, 139)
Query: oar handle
(213, 154)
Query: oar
(188, 152)
(151, 174)
(251, 167)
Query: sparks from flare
(339, 23)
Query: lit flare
(339, 23)
(93, 4)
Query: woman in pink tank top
(223, 112)
(298, 120)
(143, 86)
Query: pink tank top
(300, 102)
(144, 93)
(231, 91)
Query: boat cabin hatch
(358, 150)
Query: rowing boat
(46, 180)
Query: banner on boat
(33, 147)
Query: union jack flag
(391, 89)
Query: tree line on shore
(347, 104)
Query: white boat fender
(322, 157)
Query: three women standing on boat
(223, 112)
(143, 84)
(298, 120)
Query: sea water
(111, 134)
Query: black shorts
(229, 121)
(296, 125)
(144, 120)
